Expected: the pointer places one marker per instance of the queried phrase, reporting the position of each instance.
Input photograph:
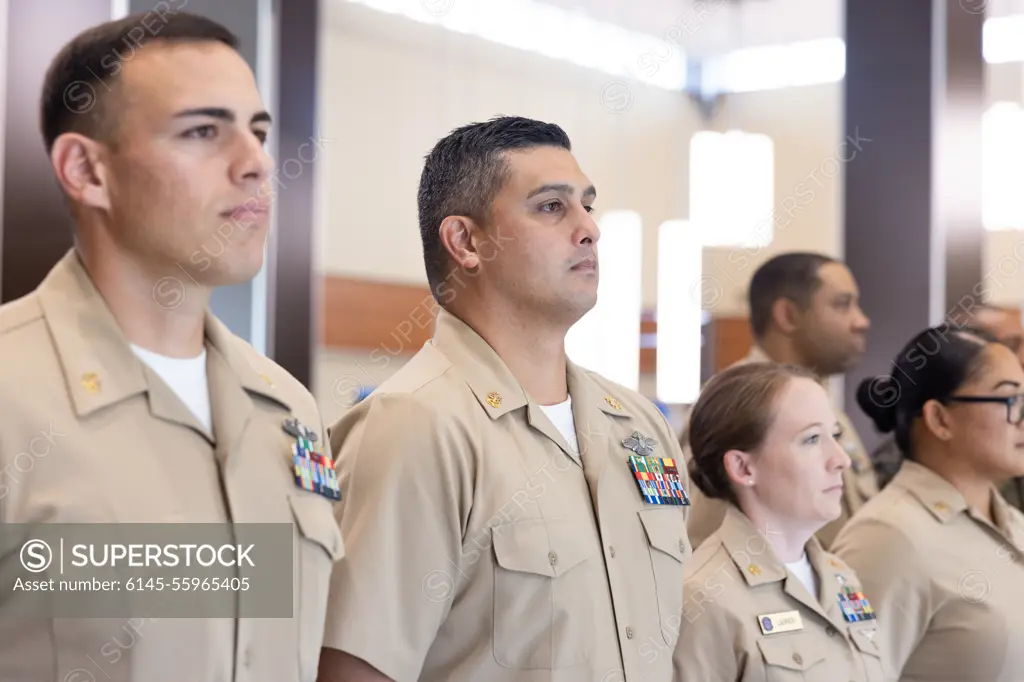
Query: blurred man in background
(1006, 328)
(804, 311)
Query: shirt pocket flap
(539, 546)
(666, 531)
(314, 517)
(865, 637)
(789, 653)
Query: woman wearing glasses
(939, 550)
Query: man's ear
(457, 234)
(81, 168)
(786, 315)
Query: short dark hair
(789, 275)
(80, 78)
(735, 411)
(465, 171)
(932, 366)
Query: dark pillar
(912, 206)
(36, 229)
(294, 318)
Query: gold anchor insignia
(941, 507)
(494, 399)
(754, 569)
(267, 380)
(616, 405)
(91, 382)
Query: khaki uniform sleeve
(895, 582)
(709, 645)
(402, 482)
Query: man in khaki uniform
(494, 528)
(123, 399)
(950, 582)
(804, 311)
(740, 599)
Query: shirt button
(831, 631)
(611, 550)
(247, 657)
(552, 558)
(682, 546)
(798, 659)
(629, 632)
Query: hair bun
(878, 398)
(706, 484)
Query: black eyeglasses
(1014, 404)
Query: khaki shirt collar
(945, 502)
(749, 549)
(756, 561)
(492, 382)
(99, 366)
(1008, 521)
(935, 493)
(757, 354)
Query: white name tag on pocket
(784, 621)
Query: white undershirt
(805, 573)
(561, 416)
(187, 378)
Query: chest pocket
(543, 594)
(320, 545)
(865, 638)
(669, 547)
(793, 658)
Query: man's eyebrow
(565, 188)
(223, 114)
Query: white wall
(391, 88)
(805, 126)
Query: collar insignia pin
(91, 382)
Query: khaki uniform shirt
(859, 482)
(734, 582)
(480, 546)
(91, 435)
(949, 584)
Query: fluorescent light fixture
(607, 339)
(1002, 39)
(809, 62)
(1002, 169)
(732, 188)
(557, 33)
(680, 291)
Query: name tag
(784, 621)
